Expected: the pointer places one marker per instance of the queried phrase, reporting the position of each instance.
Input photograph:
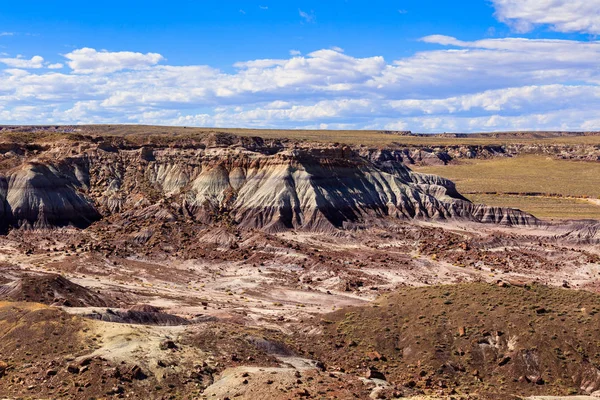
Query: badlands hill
(475, 341)
(171, 263)
(251, 183)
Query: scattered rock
(373, 373)
(504, 361)
(524, 379)
(73, 369)
(377, 393)
(85, 361)
(320, 366)
(135, 372)
(167, 345)
(116, 390)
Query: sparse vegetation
(190, 305)
(166, 134)
(481, 339)
(541, 206)
(543, 186)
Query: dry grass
(523, 174)
(489, 182)
(378, 138)
(352, 137)
(542, 207)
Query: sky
(420, 65)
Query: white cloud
(308, 17)
(508, 101)
(569, 119)
(319, 71)
(505, 105)
(494, 63)
(7, 33)
(55, 66)
(471, 85)
(560, 15)
(21, 62)
(295, 53)
(87, 60)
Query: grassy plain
(141, 133)
(542, 207)
(351, 137)
(543, 186)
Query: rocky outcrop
(244, 182)
(138, 317)
(49, 289)
(313, 189)
(38, 195)
(579, 231)
(441, 155)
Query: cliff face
(235, 181)
(440, 155)
(38, 195)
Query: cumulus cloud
(88, 61)
(560, 15)
(495, 63)
(20, 62)
(467, 86)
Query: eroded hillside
(220, 266)
(228, 179)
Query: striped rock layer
(243, 182)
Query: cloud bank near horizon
(482, 85)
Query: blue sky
(222, 33)
(429, 66)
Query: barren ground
(423, 308)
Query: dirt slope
(50, 289)
(488, 340)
